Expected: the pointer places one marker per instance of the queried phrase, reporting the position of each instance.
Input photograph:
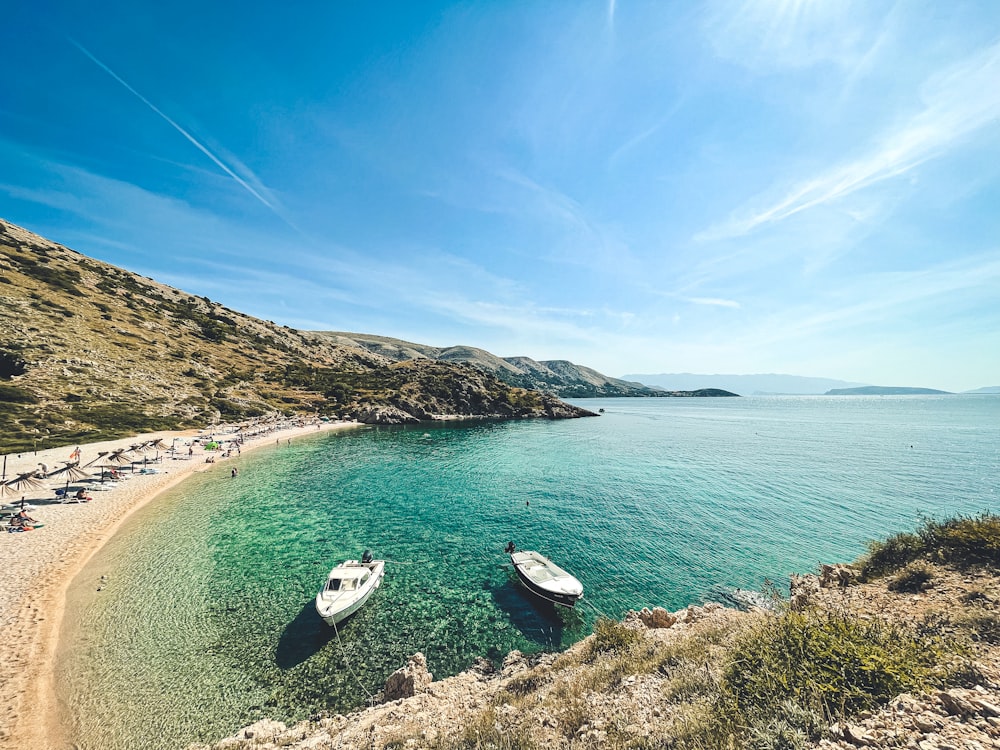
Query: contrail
(194, 141)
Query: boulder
(657, 617)
(840, 576)
(513, 662)
(801, 589)
(407, 681)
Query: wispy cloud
(957, 102)
(934, 294)
(714, 302)
(789, 33)
(256, 190)
(643, 135)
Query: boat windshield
(349, 584)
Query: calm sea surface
(205, 620)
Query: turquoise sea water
(205, 620)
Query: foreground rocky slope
(909, 659)
(90, 351)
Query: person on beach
(22, 522)
(82, 496)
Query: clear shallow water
(206, 623)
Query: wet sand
(36, 567)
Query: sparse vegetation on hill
(92, 352)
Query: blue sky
(801, 186)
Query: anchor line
(598, 611)
(343, 651)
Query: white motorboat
(544, 578)
(348, 587)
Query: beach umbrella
(72, 472)
(158, 445)
(24, 482)
(119, 456)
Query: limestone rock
(371, 414)
(832, 576)
(801, 590)
(513, 662)
(407, 681)
(657, 617)
(264, 730)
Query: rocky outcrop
(382, 415)
(409, 680)
(556, 409)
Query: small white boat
(544, 578)
(348, 587)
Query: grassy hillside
(91, 351)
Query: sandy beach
(36, 567)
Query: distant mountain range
(745, 385)
(558, 377)
(885, 390)
(783, 385)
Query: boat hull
(335, 608)
(554, 584)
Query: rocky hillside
(558, 377)
(901, 649)
(90, 351)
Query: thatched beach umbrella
(21, 484)
(158, 445)
(25, 482)
(119, 457)
(72, 472)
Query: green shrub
(960, 541)
(829, 664)
(912, 579)
(11, 364)
(981, 625)
(11, 394)
(610, 635)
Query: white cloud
(957, 102)
(714, 302)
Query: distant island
(885, 390)
(702, 393)
(770, 384)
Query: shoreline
(37, 567)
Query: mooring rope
(598, 611)
(343, 651)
